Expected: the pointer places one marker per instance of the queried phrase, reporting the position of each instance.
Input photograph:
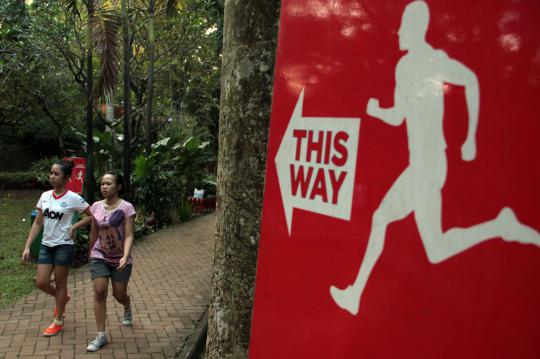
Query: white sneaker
(97, 343)
(128, 317)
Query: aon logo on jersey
(53, 214)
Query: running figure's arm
(455, 72)
(392, 116)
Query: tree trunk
(150, 84)
(250, 31)
(89, 180)
(109, 105)
(126, 157)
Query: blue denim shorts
(61, 255)
(101, 269)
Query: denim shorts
(61, 255)
(100, 268)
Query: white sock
(102, 334)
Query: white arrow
(316, 164)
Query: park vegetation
(127, 84)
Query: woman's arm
(83, 222)
(34, 231)
(128, 241)
(93, 236)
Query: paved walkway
(170, 288)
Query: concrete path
(170, 288)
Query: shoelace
(97, 342)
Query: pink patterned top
(110, 226)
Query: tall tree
(250, 31)
(89, 180)
(150, 84)
(126, 158)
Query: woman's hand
(123, 263)
(72, 232)
(25, 255)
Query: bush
(81, 247)
(42, 168)
(21, 180)
(156, 188)
(165, 178)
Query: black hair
(118, 178)
(66, 167)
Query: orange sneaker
(53, 329)
(55, 310)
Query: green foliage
(20, 180)
(15, 208)
(42, 97)
(39, 101)
(107, 153)
(185, 211)
(166, 177)
(41, 168)
(81, 247)
(143, 225)
(210, 184)
(156, 186)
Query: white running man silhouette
(419, 99)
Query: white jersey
(58, 212)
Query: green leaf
(192, 143)
(162, 142)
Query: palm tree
(126, 157)
(101, 34)
(150, 84)
(90, 179)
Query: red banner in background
(76, 182)
(401, 206)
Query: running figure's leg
(511, 229)
(441, 246)
(396, 204)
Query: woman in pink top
(111, 242)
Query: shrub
(42, 168)
(21, 180)
(185, 211)
(81, 247)
(165, 178)
(156, 187)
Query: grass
(16, 279)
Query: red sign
(401, 206)
(76, 181)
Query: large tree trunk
(126, 157)
(89, 180)
(250, 29)
(151, 38)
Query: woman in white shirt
(56, 209)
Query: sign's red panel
(76, 181)
(401, 209)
